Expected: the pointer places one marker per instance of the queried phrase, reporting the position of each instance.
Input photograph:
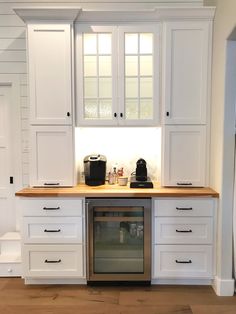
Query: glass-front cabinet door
(117, 75)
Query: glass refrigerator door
(118, 240)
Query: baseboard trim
(207, 282)
(223, 287)
(50, 281)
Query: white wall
(222, 129)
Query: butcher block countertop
(83, 190)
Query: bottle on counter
(112, 177)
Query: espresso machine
(140, 178)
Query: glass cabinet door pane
(90, 66)
(105, 109)
(131, 43)
(145, 45)
(146, 68)
(90, 44)
(131, 65)
(131, 87)
(145, 87)
(105, 66)
(146, 109)
(90, 109)
(104, 44)
(105, 87)
(132, 109)
(90, 87)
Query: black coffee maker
(141, 170)
(139, 178)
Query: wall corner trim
(223, 287)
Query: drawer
(53, 261)
(51, 206)
(183, 261)
(52, 230)
(181, 230)
(10, 269)
(184, 207)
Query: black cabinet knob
(115, 114)
(68, 114)
(121, 115)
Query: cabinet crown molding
(34, 13)
(77, 14)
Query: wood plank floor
(15, 297)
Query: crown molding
(76, 14)
(36, 13)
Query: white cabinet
(183, 239)
(50, 60)
(117, 74)
(50, 73)
(51, 157)
(186, 102)
(53, 238)
(186, 72)
(184, 155)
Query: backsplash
(122, 148)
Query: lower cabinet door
(184, 156)
(51, 156)
(50, 261)
(183, 261)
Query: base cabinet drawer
(52, 230)
(184, 207)
(53, 261)
(51, 206)
(183, 230)
(183, 261)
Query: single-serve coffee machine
(140, 179)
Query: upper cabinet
(50, 73)
(186, 72)
(117, 75)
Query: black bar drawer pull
(48, 230)
(184, 231)
(51, 261)
(51, 184)
(51, 208)
(183, 262)
(184, 208)
(182, 183)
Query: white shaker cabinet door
(51, 156)
(49, 53)
(184, 151)
(186, 69)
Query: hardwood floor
(15, 297)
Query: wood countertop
(83, 190)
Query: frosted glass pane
(90, 44)
(131, 107)
(105, 66)
(131, 43)
(104, 44)
(131, 87)
(105, 109)
(146, 109)
(131, 65)
(90, 109)
(105, 87)
(145, 43)
(90, 87)
(146, 87)
(90, 66)
(145, 65)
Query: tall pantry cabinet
(186, 90)
(50, 70)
